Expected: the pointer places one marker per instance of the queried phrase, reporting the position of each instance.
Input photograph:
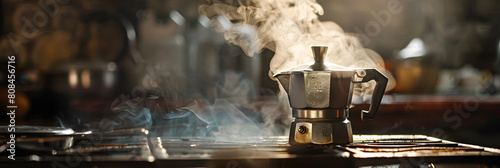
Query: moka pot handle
(366, 75)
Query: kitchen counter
(469, 119)
(386, 140)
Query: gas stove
(137, 148)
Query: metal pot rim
(46, 130)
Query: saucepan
(94, 73)
(48, 138)
(35, 138)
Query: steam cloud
(236, 115)
(289, 28)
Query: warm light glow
(85, 77)
(73, 78)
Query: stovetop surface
(365, 150)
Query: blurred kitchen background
(76, 59)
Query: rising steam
(289, 28)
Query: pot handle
(366, 75)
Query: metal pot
(36, 138)
(90, 75)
